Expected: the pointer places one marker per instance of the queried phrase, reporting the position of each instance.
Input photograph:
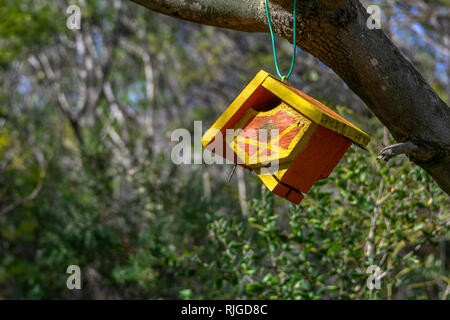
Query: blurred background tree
(86, 178)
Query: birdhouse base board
(280, 189)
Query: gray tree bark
(336, 32)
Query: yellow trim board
(269, 181)
(314, 113)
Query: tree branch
(243, 15)
(396, 149)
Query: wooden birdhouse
(288, 138)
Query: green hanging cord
(284, 78)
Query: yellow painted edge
(293, 99)
(280, 173)
(248, 115)
(282, 155)
(234, 107)
(315, 114)
(353, 133)
(269, 181)
(297, 143)
(284, 167)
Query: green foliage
(320, 249)
(26, 24)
